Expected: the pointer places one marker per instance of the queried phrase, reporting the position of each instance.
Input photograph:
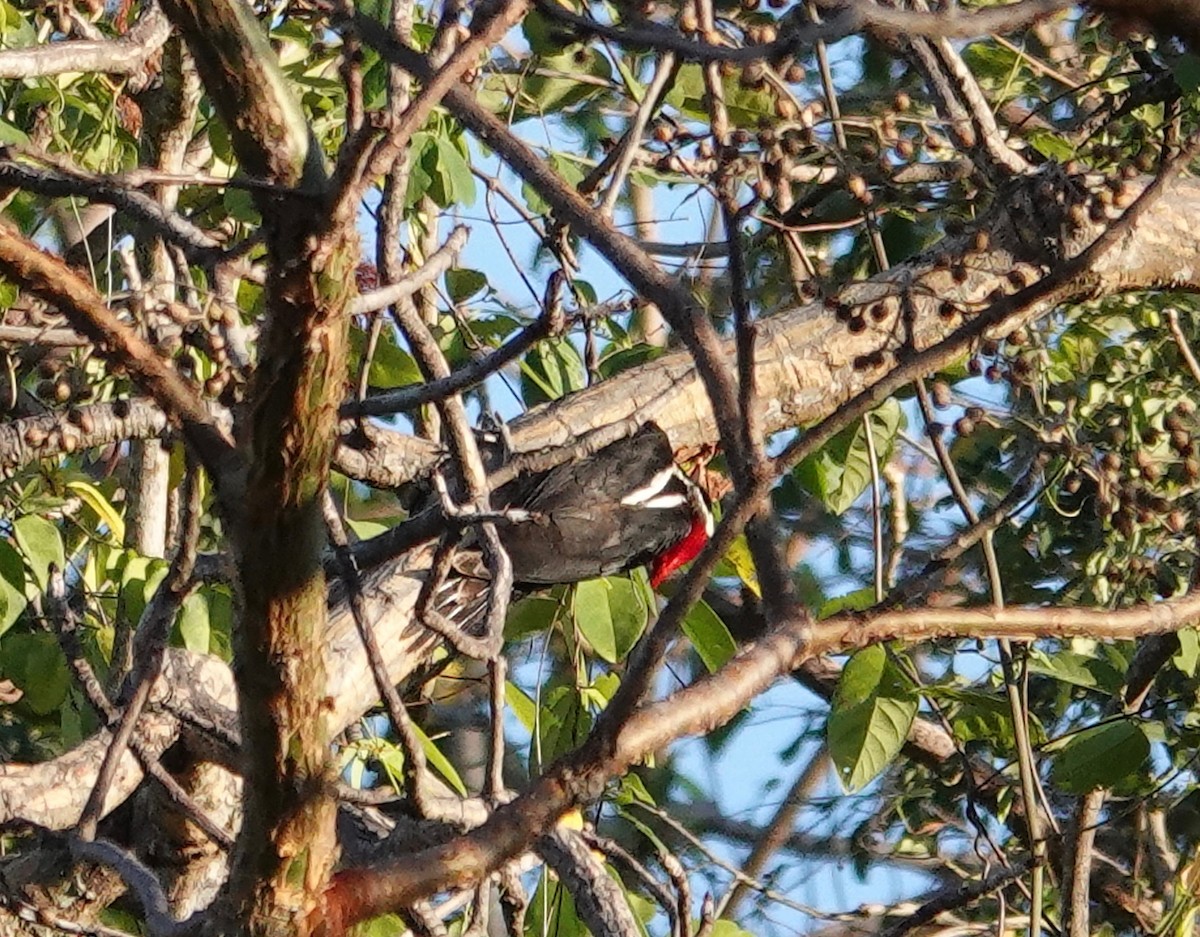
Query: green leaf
(12, 135)
(1188, 655)
(36, 665)
(533, 614)
(440, 763)
(1187, 72)
(1101, 757)
(1079, 669)
(12, 586)
(42, 545)
(724, 928)
(391, 365)
(364, 529)
(856, 601)
(1052, 145)
(193, 624)
(841, 470)
(108, 515)
(521, 704)
(572, 174)
(140, 576)
(625, 358)
(871, 714)
(611, 614)
(457, 182)
(709, 636)
(552, 911)
(551, 370)
(563, 722)
(979, 716)
(463, 284)
(738, 562)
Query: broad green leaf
(463, 284)
(550, 370)
(365, 530)
(440, 763)
(391, 365)
(12, 586)
(193, 623)
(391, 759)
(632, 789)
(709, 636)
(981, 716)
(1187, 72)
(386, 925)
(552, 911)
(459, 184)
(562, 723)
(871, 714)
(36, 665)
(41, 543)
(738, 562)
(556, 87)
(521, 704)
(1101, 757)
(724, 928)
(1188, 655)
(611, 614)
(1079, 669)
(140, 577)
(572, 174)
(1052, 145)
(855, 601)
(533, 614)
(841, 470)
(625, 358)
(11, 135)
(99, 504)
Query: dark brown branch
(151, 640)
(49, 278)
(58, 182)
(549, 324)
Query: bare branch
(57, 181)
(123, 55)
(49, 278)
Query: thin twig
(548, 325)
(415, 767)
(63, 618)
(142, 884)
(626, 149)
(441, 260)
(150, 649)
(1181, 342)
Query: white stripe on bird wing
(656, 484)
(666, 501)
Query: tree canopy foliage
(909, 287)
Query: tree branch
(123, 55)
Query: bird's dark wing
(617, 470)
(570, 544)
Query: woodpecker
(629, 505)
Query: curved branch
(847, 19)
(371, 454)
(56, 182)
(47, 277)
(703, 706)
(269, 130)
(123, 55)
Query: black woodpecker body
(629, 505)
